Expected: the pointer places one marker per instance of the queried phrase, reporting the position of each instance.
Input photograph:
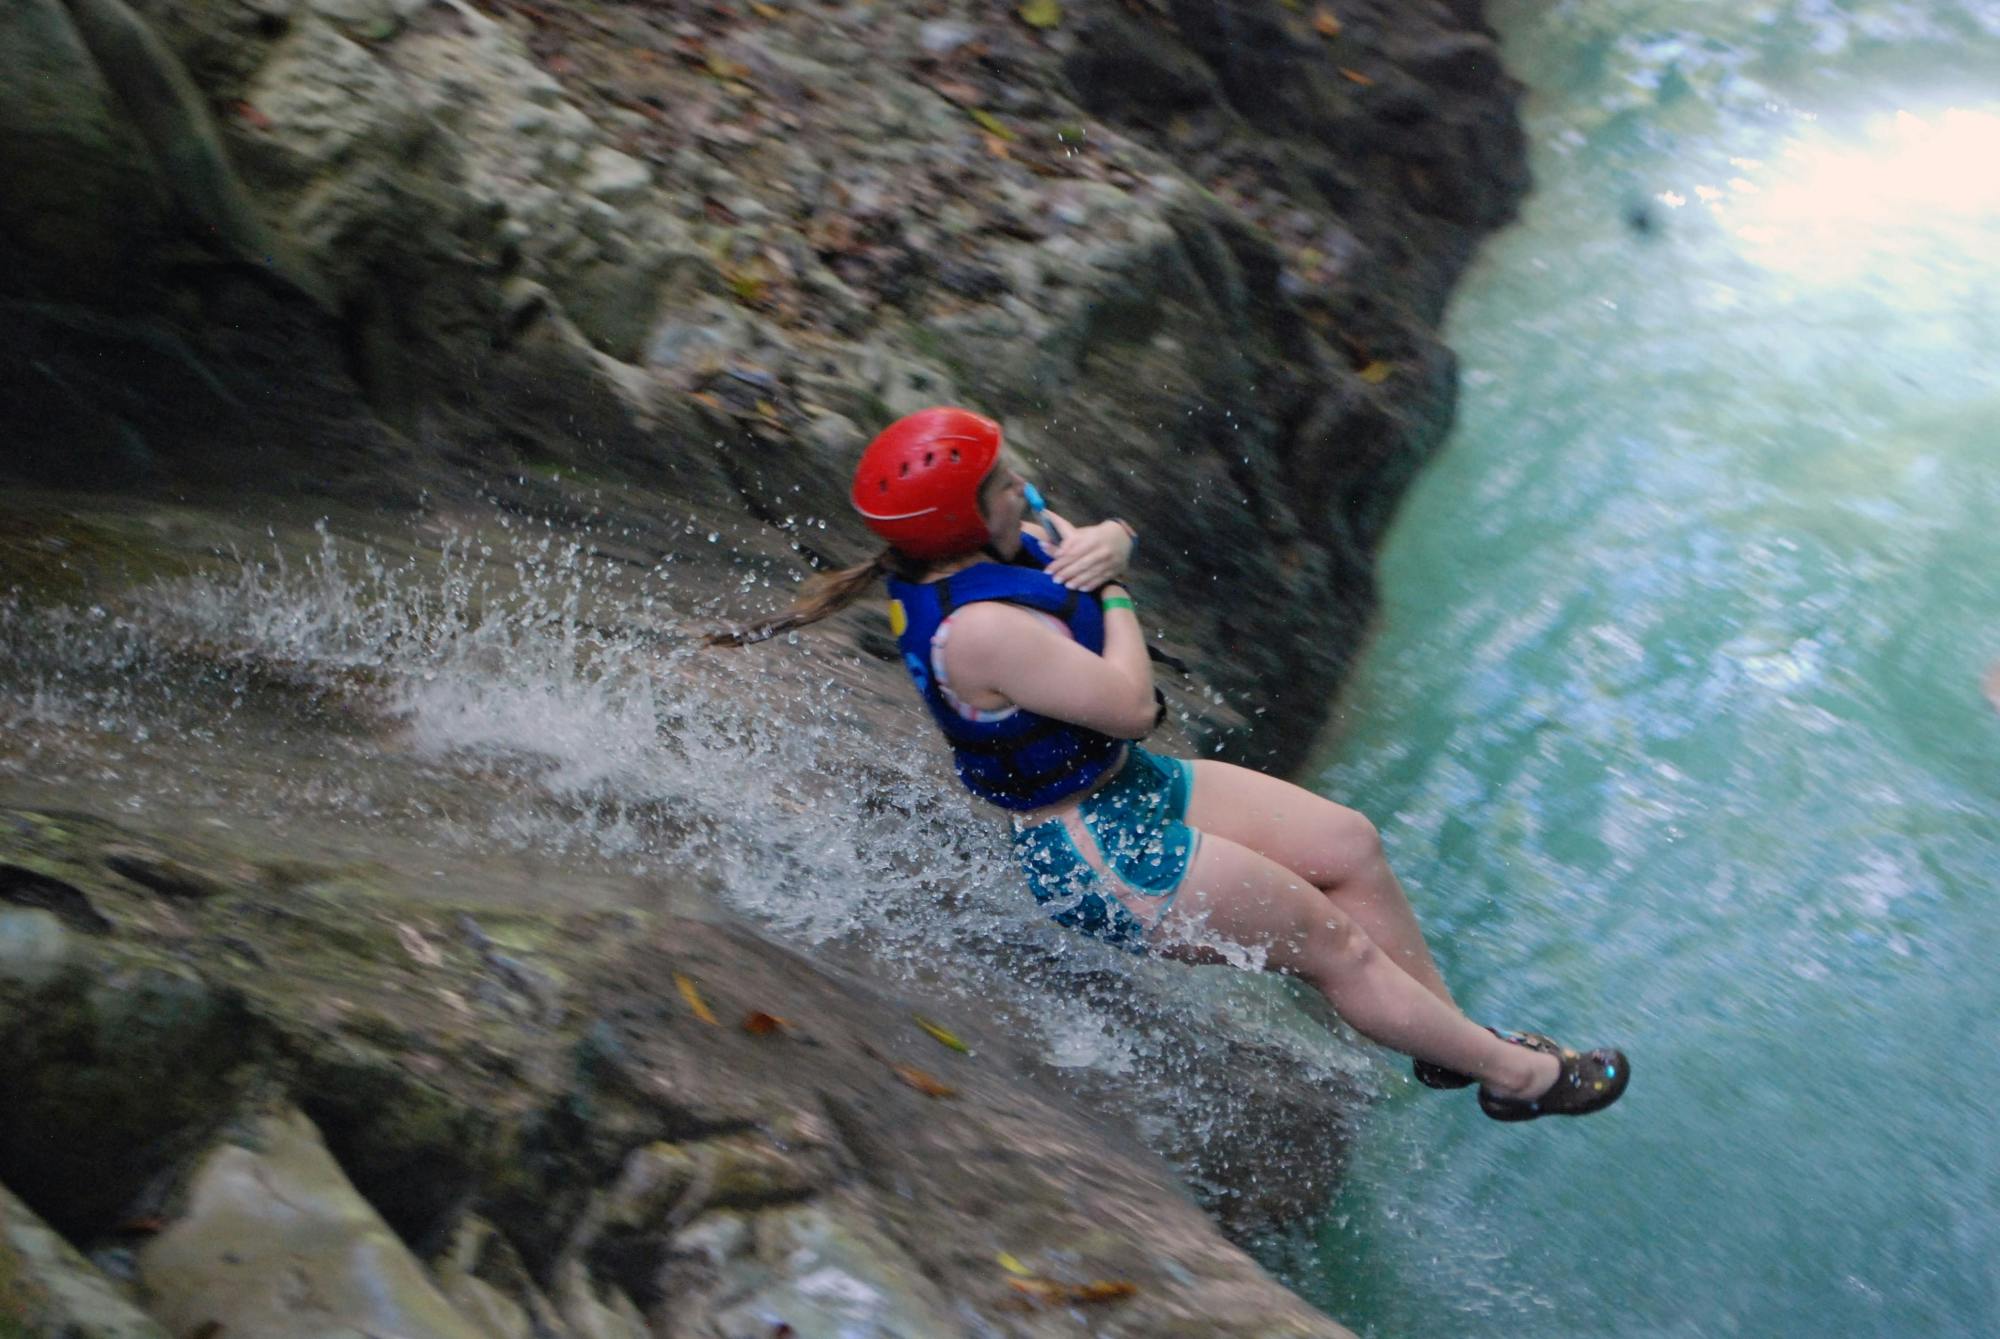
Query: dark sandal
(1437, 1076)
(1589, 1081)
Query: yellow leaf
(692, 994)
(1376, 372)
(764, 11)
(1011, 1265)
(941, 1035)
(1040, 13)
(990, 123)
(1326, 23)
(1355, 77)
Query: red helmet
(918, 482)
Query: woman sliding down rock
(1031, 658)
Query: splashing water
(502, 711)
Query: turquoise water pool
(1675, 722)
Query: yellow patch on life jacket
(898, 619)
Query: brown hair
(824, 594)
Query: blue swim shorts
(1138, 822)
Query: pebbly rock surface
(1192, 255)
(274, 1098)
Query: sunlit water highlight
(1676, 719)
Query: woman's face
(1002, 503)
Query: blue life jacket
(1022, 760)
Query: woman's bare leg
(1233, 893)
(1332, 847)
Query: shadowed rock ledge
(276, 1099)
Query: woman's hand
(1086, 558)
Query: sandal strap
(1587, 1081)
(1438, 1076)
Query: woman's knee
(1335, 948)
(1353, 844)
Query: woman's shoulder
(996, 622)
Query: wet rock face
(1193, 255)
(302, 1104)
(48, 1288)
(274, 1239)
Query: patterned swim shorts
(1138, 823)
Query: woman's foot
(1585, 1081)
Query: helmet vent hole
(954, 455)
(881, 485)
(903, 470)
(929, 457)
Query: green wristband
(1120, 602)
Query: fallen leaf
(763, 1025)
(250, 116)
(1048, 1292)
(423, 1062)
(1376, 372)
(990, 123)
(142, 1227)
(996, 146)
(418, 947)
(764, 11)
(1040, 13)
(1011, 1265)
(958, 91)
(941, 1035)
(927, 1084)
(1355, 77)
(1326, 23)
(692, 994)
(748, 288)
(724, 68)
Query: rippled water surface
(1676, 720)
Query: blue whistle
(1033, 497)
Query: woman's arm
(1005, 651)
